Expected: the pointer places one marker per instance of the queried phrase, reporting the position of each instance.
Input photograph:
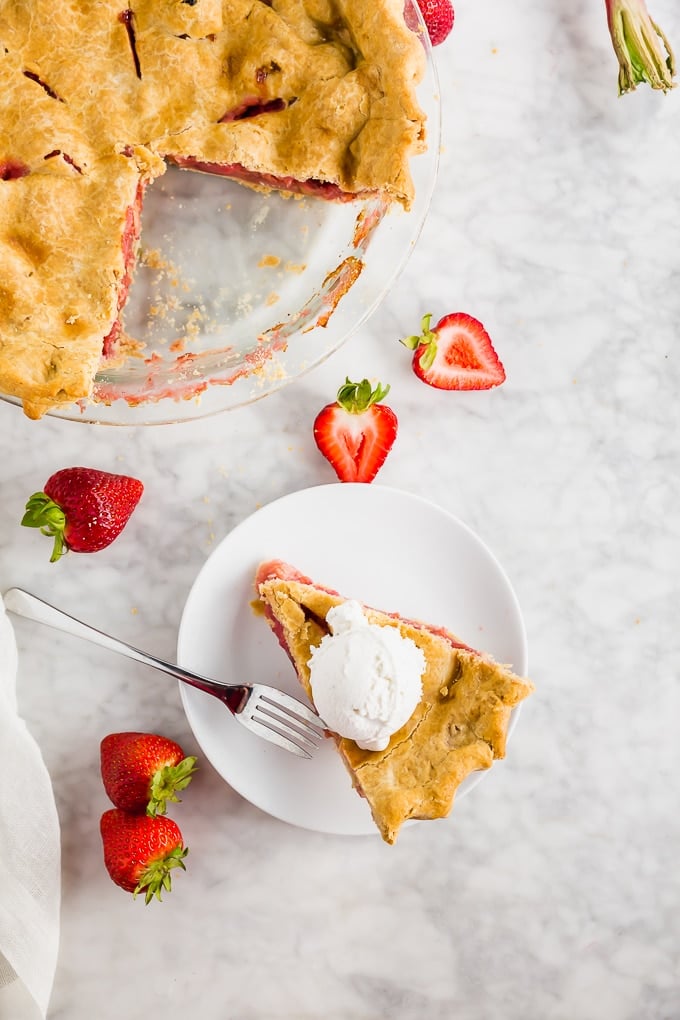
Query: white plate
(387, 548)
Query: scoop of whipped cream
(366, 680)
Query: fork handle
(32, 608)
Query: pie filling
(129, 242)
(285, 572)
(253, 107)
(236, 171)
(13, 169)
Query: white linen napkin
(30, 850)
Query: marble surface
(552, 892)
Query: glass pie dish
(238, 292)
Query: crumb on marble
(268, 260)
(244, 305)
(271, 299)
(153, 258)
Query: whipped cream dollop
(366, 680)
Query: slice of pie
(459, 726)
(97, 96)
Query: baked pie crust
(460, 725)
(311, 96)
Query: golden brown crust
(95, 95)
(459, 726)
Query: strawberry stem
(427, 339)
(165, 784)
(42, 512)
(156, 877)
(636, 43)
(358, 397)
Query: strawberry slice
(356, 433)
(456, 355)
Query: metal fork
(266, 711)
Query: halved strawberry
(456, 355)
(356, 433)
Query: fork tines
(287, 722)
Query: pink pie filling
(13, 169)
(131, 233)
(235, 171)
(285, 572)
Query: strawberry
(356, 432)
(438, 16)
(456, 355)
(142, 771)
(140, 852)
(83, 509)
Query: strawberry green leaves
(456, 355)
(42, 512)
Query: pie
(302, 96)
(460, 725)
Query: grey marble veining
(553, 891)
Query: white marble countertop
(553, 891)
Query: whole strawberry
(143, 771)
(141, 852)
(456, 355)
(438, 16)
(83, 509)
(356, 433)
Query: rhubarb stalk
(644, 53)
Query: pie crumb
(268, 260)
(153, 258)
